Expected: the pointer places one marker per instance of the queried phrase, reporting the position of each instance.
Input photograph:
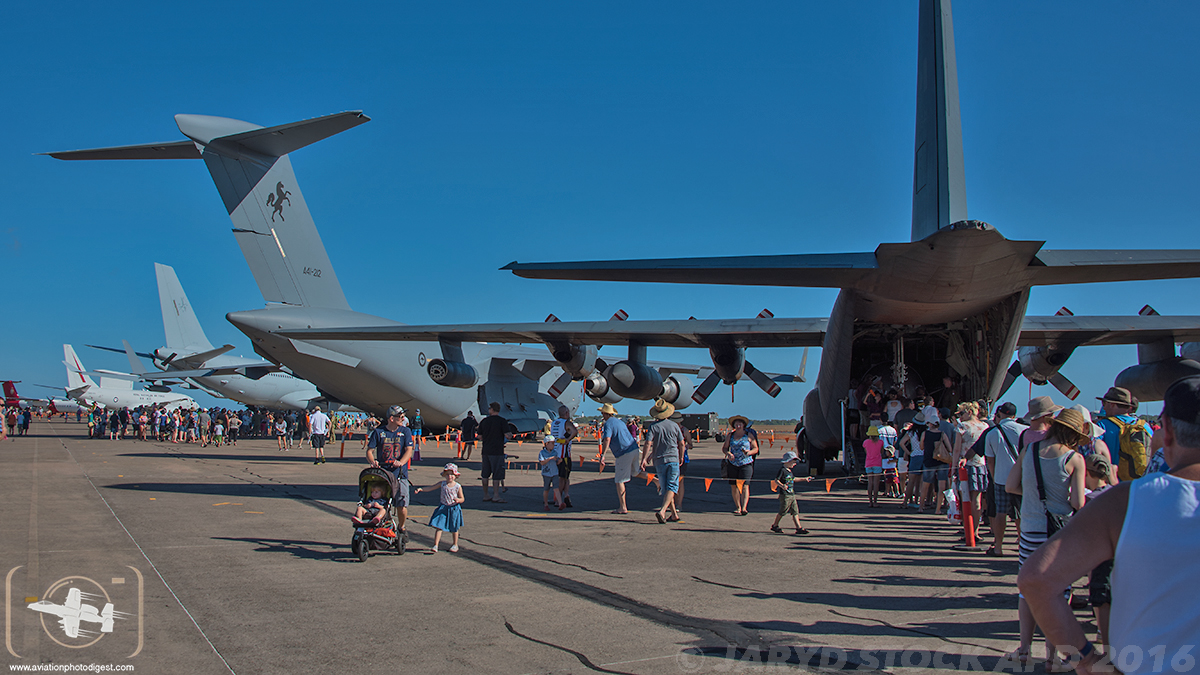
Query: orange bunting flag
(774, 486)
(828, 484)
(649, 477)
(707, 484)
(740, 484)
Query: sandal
(993, 552)
(1019, 655)
(661, 520)
(802, 531)
(777, 529)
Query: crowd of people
(1036, 471)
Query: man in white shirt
(1000, 452)
(319, 425)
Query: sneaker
(433, 550)
(316, 461)
(454, 548)
(322, 459)
(777, 529)
(567, 502)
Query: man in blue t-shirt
(391, 447)
(615, 437)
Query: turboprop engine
(577, 361)
(1158, 367)
(677, 390)
(597, 389)
(1040, 365)
(634, 379)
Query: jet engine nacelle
(1149, 381)
(576, 361)
(634, 379)
(597, 389)
(677, 390)
(452, 373)
(729, 362)
(1039, 364)
(160, 388)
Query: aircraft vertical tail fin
(939, 180)
(76, 376)
(249, 165)
(180, 324)
(10, 394)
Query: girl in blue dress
(448, 516)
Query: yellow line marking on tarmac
(120, 475)
(258, 512)
(153, 498)
(31, 599)
(222, 504)
(238, 504)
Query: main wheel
(361, 549)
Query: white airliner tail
(182, 328)
(76, 374)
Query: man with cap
(998, 445)
(615, 438)
(1157, 526)
(663, 445)
(390, 447)
(1118, 404)
(319, 423)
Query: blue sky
(547, 131)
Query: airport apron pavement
(238, 559)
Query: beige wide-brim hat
(661, 410)
(745, 421)
(607, 409)
(1040, 407)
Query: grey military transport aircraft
(951, 301)
(443, 378)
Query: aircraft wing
(773, 332)
(1081, 331)
(815, 270)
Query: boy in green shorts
(787, 494)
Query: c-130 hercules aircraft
(950, 301)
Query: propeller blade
(1063, 311)
(1014, 371)
(552, 319)
(706, 388)
(766, 314)
(760, 378)
(1147, 311)
(559, 385)
(1064, 385)
(167, 361)
(620, 315)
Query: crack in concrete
(520, 536)
(914, 630)
(549, 560)
(736, 588)
(582, 659)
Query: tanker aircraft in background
(190, 360)
(443, 378)
(115, 390)
(949, 302)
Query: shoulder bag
(1054, 522)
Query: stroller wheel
(400, 545)
(360, 549)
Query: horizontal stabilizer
(1093, 266)
(817, 270)
(275, 141)
(1081, 331)
(174, 150)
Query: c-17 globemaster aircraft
(443, 378)
(951, 301)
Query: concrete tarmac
(237, 559)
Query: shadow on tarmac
(308, 550)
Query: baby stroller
(384, 533)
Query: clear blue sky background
(546, 131)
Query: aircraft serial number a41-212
(951, 301)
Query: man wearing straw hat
(663, 443)
(1150, 527)
(615, 437)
